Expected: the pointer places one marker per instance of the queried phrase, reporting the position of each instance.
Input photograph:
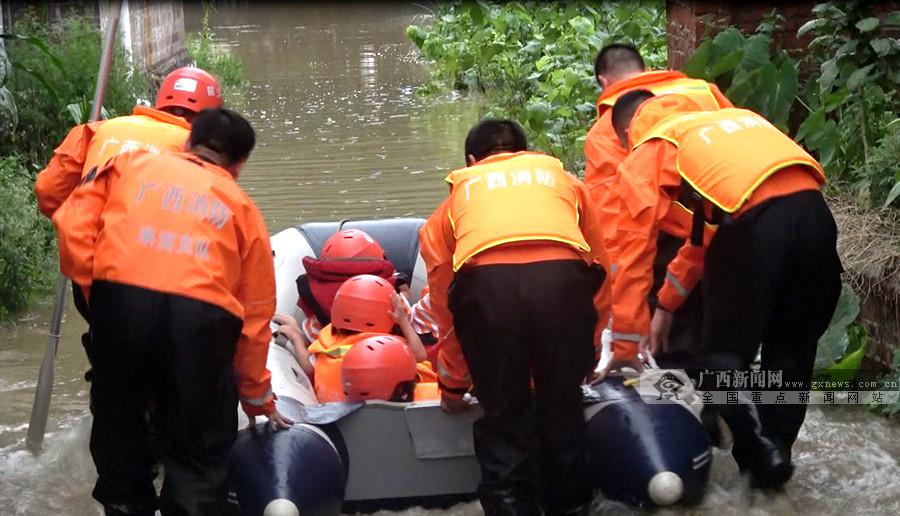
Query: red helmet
(189, 88)
(379, 368)
(363, 303)
(351, 243)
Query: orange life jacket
(146, 129)
(91, 145)
(725, 155)
(661, 82)
(426, 383)
(517, 197)
(329, 349)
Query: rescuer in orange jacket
(364, 306)
(182, 289)
(165, 128)
(183, 93)
(521, 245)
(619, 68)
(771, 273)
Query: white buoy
(281, 507)
(665, 488)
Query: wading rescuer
(165, 128)
(619, 68)
(181, 281)
(771, 273)
(522, 247)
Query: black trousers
(687, 321)
(164, 389)
(517, 323)
(772, 277)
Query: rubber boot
(509, 501)
(756, 449)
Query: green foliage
(26, 243)
(533, 61)
(843, 345)
(883, 171)
(855, 96)
(54, 66)
(889, 382)
(748, 73)
(226, 67)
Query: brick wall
(688, 21)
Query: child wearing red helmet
(347, 253)
(364, 306)
(383, 368)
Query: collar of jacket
(162, 116)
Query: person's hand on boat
(277, 421)
(454, 403)
(617, 364)
(660, 327)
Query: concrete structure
(151, 31)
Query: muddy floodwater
(342, 134)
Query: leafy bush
(855, 93)
(226, 67)
(533, 61)
(26, 242)
(55, 66)
(748, 73)
(843, 345)
(889, 382)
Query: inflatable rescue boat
(646, 444)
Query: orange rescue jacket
(329, 350)
(178, 224)
(493, 202)
(91, 145)
(733, 158)
(602, 150)
(508, 208)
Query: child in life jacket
(347, 253)
(364, 306)
(383, 368)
